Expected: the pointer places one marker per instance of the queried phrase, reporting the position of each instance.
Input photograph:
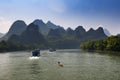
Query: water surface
(78, 65)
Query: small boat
(52, 49)
(61, 65)
(36, 53)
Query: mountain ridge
(56, 36)
(107, 32)
(44, 28)
(16, 29)
(1, 35)
(30, 36)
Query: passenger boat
(52, 49)
(36, 53)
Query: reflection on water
(4, 64)
(78, 65)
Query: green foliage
(10, 46)
(113, 43)
(7, 46)
(110, 44)
(88, 45)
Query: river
(77, 65)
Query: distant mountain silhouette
(30, 36)
(118, 34)
(107, 32)
(95, 34)
(16, 29)
(70, 32)
(71, 38)
(45, 28)
(1, 35)
(79, 32)
(19, 26)
(57, 33)
(39, 33)
(100, 33)
(90, 34)
(91, 31)
(52, 25)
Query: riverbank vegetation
(10, 46)
(109, 44)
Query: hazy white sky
(67, 13)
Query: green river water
(78, 65)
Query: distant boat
(61, 65)
(52, 49)
(36, 53)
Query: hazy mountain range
(17, 28)
(51, 35)
(118, 34)
(30, 36)
(107, 32)
(44, 28)
(1, 35)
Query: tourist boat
(52, 49)
(36, 53)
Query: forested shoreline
(10, 46)
(111, 43)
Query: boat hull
(36, 53)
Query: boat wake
(32, 58)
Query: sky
(67, 13)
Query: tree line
(111, 43)
(6, 46)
